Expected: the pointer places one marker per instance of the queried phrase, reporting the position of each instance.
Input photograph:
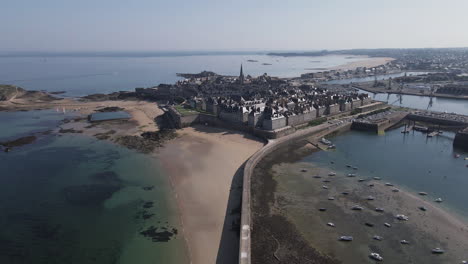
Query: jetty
(379, 122)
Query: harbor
(302, 204)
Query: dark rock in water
(18, 142)
(71, 130)
(143, 215)
(58, 92)
(147, 205)
(148, 188)
(148, 141)
(110, 109)
(108, 177)
(92, 194)
(152, 232)
(105, 135)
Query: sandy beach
(204, 165)
(369, 62)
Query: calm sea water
(412, 161)
(86, 75)
(74, 199)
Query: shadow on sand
(228, 251)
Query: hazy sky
(143, 25)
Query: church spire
(241, 76)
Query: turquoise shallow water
(412, 161)
(74, 199)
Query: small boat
(388, 184)
(355, 168)
(317, 177)
(401, 217)
(332, 174)
(345, 238)
(357, 208)
(331, 198)
(395, 190)
(351, 175)
(422, 193)
(324, 141)
(422, 208)
(466, 158)
(371, 185)
(370, 198)
(369, 224)
(378, 209)
(375, 256)
(404, 242)
(303, 170)
(438, 200)
(345, 193)
(332, 146)
(361, 180)
(437, 251)
(322, 209)
(330, 224)
(387, 225)
(377, 178)
(326, 180)
(378, 238)
(349, 166)
(456, 156)
(325, 187)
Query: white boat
(351, 175)
(404, 242)
(331, 198)
(357, 208)
(332, 174)
(346, 238)
(377, 178)
(330, 224)
(325, 187)
(326, 142)
(378, 238)
(387, 225)
(375, 256)
(378, 209)
(388, 184)
(438, 251)
(361, 180)
(402, 217)
(438, 200)
(395, 190)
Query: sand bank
(369, 62)
(202, 164)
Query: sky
(263, 25)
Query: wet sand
(297, 197)
(369, 62)
(202, 164)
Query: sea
(69, 198)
